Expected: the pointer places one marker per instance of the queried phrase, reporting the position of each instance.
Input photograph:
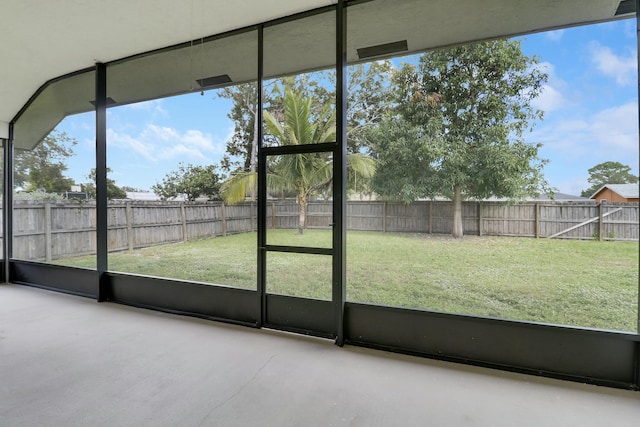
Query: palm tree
(305, 174)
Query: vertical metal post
(638, 106)
(262, 192)
(339, 176)
(4, 275)
(7, 202)
(101, 180)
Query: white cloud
(154, 106)
(122, 140)
(621, 68)
(610, 134)
(164, 143)
(578, 142)
(617, 126)
(555, 35)
(197, 139)
(573, 186)
(160, 133)
(551, 97)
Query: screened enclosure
(354, 174)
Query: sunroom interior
(102, 63)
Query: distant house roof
(142, 195)
(558, 197)
(561, 196)
(628, 191)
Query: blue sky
(590, 100)
(590, 104)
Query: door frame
(315, 317)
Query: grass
(580, 283)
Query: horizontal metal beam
(299, 149)
(71, 280)
(299, 250)
(232, 305)
(591, 356)
(299, 315)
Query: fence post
(223, 217)
(537, 220)
(183, 221)
(430, 216)
(384, 217)
(254, 224)
(47, 232)
(601, 220)
(129, 219)
(480, 219)
(273, 215)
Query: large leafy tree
(243, 143)
(369, 98)
(242, 146)
(608, 173)
(304, 174)
(457, 127)
(43, 167)
(113, 191)
(191, 181)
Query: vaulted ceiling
(43, 40)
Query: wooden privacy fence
(567, 220)
(47, 231)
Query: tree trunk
(458, 232)
(302, 212)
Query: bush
(37, 195)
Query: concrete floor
(69, 361)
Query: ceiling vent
(625, 7)
(383, 49)
(215, 81)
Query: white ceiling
(43, 40)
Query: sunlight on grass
(579, 283)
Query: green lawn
(580, 283)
